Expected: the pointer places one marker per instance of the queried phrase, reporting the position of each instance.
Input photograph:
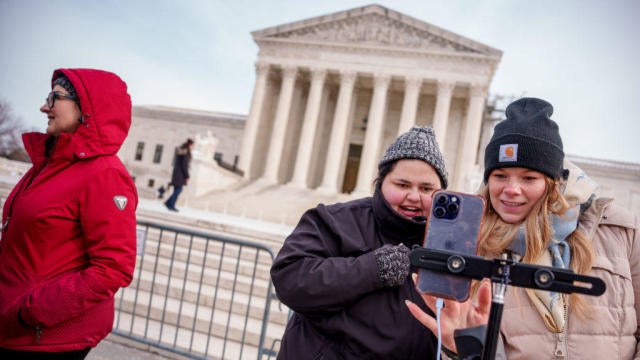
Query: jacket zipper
(5, 225)
(560, 351)
(23, 187)
(38, 334)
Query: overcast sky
(580, 55)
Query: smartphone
(453, 225)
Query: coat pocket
(11, 328)
(617, 267)
(616, 274)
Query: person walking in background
(180, 176)
(530, 189)
(68, 238)
(344, 270)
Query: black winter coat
(181, 167)
(327, 273)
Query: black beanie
(528, 138)
(67, 85)
(418, 143)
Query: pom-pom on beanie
(528, 138)
(418, 143)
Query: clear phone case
(453, 225)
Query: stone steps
(210, 346)
(196, 258)
(219, 322)
(219, 224)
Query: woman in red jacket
(69, 226)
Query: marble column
(373, 136)
(309, 129)
(252, 125)
(468, 152)
(280, 124)
(410, 104)
(441, 113)
(337, 151)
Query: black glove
(393, 264)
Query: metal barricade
(200, 295)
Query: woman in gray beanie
(345, 269)
(531, 190)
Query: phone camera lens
(441, 200)
(452, 208)
(439, 212)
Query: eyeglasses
(54, 95)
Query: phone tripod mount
(503, 272)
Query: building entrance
(351, 171)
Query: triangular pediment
(375, 25)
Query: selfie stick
(503, 272)
(495, 314)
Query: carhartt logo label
(120, 201)
(508, 152)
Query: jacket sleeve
(109, 233)
(311, 274)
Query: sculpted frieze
(374, 29)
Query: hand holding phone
(453, 225)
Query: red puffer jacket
(69, 227)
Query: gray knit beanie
(67, 85)
(528, 138)
(418, 143)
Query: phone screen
(453, 225)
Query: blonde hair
(497, 234)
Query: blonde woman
(525, 187)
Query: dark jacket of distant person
(181, 165)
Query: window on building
(157, 155)
(139, 150)
(151, 183)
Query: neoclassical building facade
(156, 131)
(333, 91)
(330, 94)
